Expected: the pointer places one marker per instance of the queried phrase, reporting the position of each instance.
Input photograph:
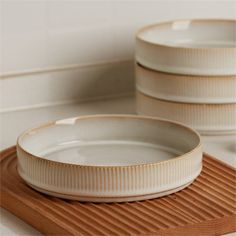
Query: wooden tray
(207, 207)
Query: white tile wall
(39, 35)
(48, 33)
(24, 39)
(79, 32)
(66, 86)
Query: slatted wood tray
(207, 207)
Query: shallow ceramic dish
(206, 118)
(186, 88)
(193, 47)
(110, 158)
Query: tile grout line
(67, 102)
(64, 68)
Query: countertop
(13, 123)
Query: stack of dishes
(186, 71)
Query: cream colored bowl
(186, 88)
(193, 47)
(206, 118)
(109, 158)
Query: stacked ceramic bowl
(186, 71)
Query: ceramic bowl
(210, 119)
(193, 47)
(109, 158)
(186, 88)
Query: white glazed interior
(192, 34)
(109, 141)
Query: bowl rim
(214, 105)
(107, 116)
(155, 25)
(139, 66)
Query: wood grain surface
(206, 207)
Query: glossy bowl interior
(109, 158)
(192, 34)
(109, 141)
(205, 47)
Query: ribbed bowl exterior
(91, 181)
(206, 118)
(187, 61)
(186, 88)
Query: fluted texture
(188, 61)
(186, 88)
(92, 181)
(206, 207)
(206, 118)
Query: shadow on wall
(92, 82)
(69, 85)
